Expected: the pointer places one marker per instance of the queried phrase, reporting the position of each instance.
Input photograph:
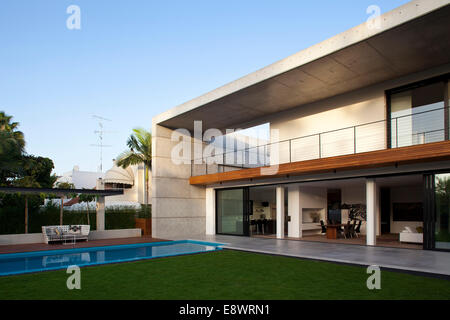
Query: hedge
(12, 218)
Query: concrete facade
(177, 207)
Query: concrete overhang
(412, 38)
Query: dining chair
(358, 228)
(352, 229)
(324, 228)
(347, 230)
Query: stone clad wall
(178, 209)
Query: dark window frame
(388, 93)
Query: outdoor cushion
(408, 229)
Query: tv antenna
(100, 132)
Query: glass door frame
(246, 212)
(429, 214)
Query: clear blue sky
(134, 59)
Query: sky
(132, 60)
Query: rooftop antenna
(100, 134)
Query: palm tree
(12, 146)
(140, 144)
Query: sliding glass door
(442, 209)
(232, 216)
(437, 212)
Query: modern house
(359, 131)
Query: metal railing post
(320, 145)
(290, 151)
(265, 154)
(396, 132)
(354, 139)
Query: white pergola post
(280, 212)
(294, 212)
(210, 211)
(101, 213)
(372, 209)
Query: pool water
(18, 263)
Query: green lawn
(223, 275)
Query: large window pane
(417, 115)
(442, 227)
(230, 211)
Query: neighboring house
(360, 120)
(81, 179)
(131, 180)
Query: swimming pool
(18, 263)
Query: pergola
(101, 194)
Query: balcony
(380, 139)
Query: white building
(131, 180)
(81, 179)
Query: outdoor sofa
(68, 233)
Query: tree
(140, 145)
(12, 147)
(35, 172)
(26, 182)
(87, 198)
(40, 169)
(64, 185)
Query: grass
(223, 275)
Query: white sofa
(63, 233)
(411, 236)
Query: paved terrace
(394, 258)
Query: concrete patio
(402, 259)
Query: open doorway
(263, 211)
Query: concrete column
(280, 212)
(294, 212)
(210, 211)
(101, 213)
(372, 209)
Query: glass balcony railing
(413, 129)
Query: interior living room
(331, 211)
(337, 212)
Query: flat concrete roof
(412, 38)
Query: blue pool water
(17, 263)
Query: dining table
(332, 230)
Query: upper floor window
(418, 113)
